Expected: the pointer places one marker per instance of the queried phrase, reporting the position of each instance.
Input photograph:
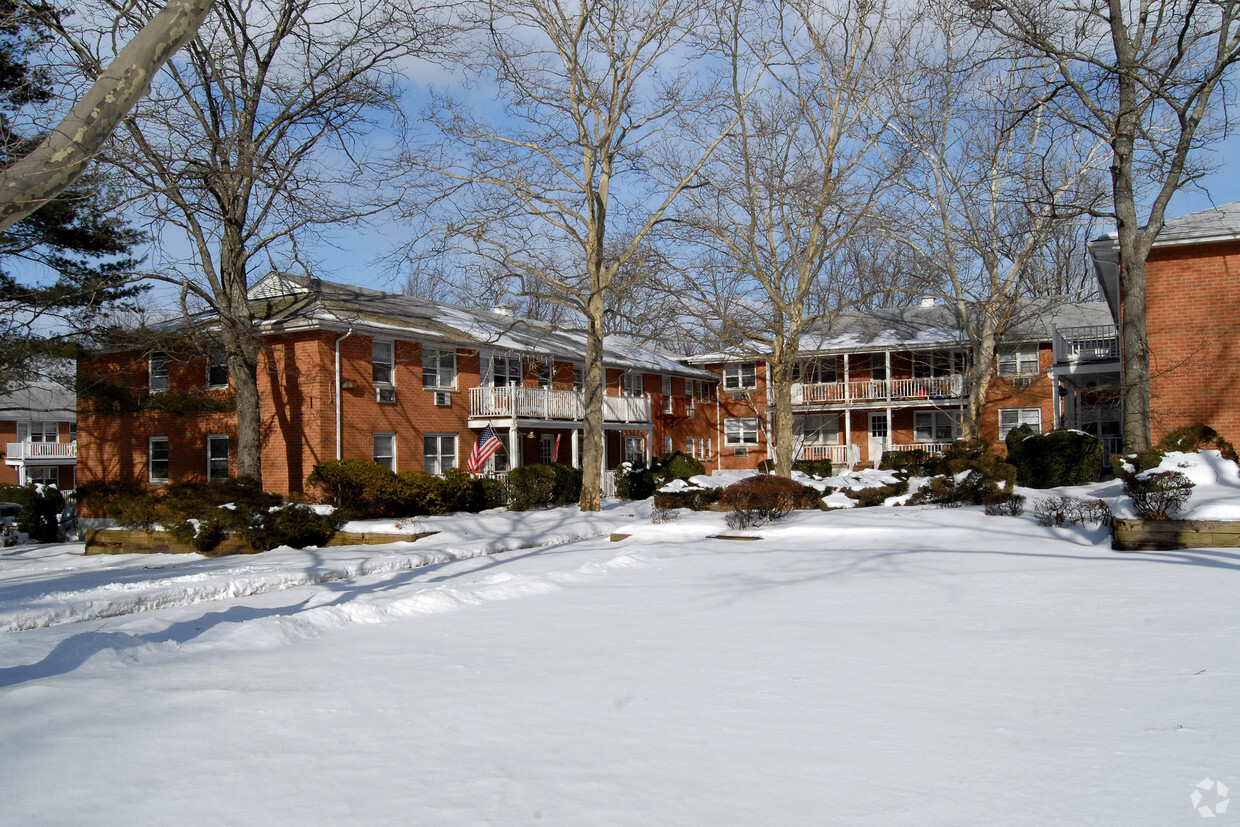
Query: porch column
(847, 426)
(649, 446)
(890, 439)
(847, 384)
(515, 448)
(887, 385)
(576, 447)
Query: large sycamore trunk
(781, 378)
(592, 426)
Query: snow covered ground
(893, 666)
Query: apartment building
(38, 426)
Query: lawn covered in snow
(893, 666)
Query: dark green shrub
(1190, 438)
(419, 494)
(812, 467)
(1015, 441)
(694, 499)
(1056, 458)
(41, 509)
(1004, 504)
(1158, 494)
(530, 486)
(1138, 462)
(295, 526)
(461, 491)
(876, 495)
(358, 486)
(676, 466)
(911, 462)
(635, 482)
(764, 498)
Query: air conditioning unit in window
(738, 396)
(1022, 382)
(443, 399)
(690, 413)
(740, 452)
(387, 396)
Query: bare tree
(795, 186)
(559, 194)
(1144, 77)
(265, 132)
(992, 178)
(67, 150)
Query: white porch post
(514, 446)
(887, 384)
(847, 427)
(847, 384)
(649, 446)
(576, 447)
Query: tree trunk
(781, 378)
(241, 345)
(592, 426)
(64, 153)
(983, 373)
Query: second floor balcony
(552, 405)
(35, 453)
(1096, 343)
(952, 386)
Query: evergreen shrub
(764, 498)
(41, 509)
(1054, 458)
(694, 499)
(1190, 438)
(813, 467)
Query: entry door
(878, 437)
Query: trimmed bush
(912, 462)
(296, 526)
(634, 482)
(418, 494)
(543, 486)
(637, 482)
(764, 498)
(1055, 458)
(1190, 438)
(694, 499)
(1004, 504)
(813, 467)
(1159, 494)
(867, 497)
(358, 487)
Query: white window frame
(383, 449)
(38, 431)
(546, 445)
(1019, 360)
(632, 384)
(635, 449)
(383, 362)
(667, 396)
(878, 367)
(506, 378)
(42, 474)
(932, 364)
(157, 371)
(742, 430)
(739, 376)
(818, 429)
(499, 461)
(1019, 416)
(438, 365)
(166, 461)
(217, 360)
(214, 439)
(817, 370)
(936, 426)
(439, 461)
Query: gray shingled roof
(313, 302)
(1222, 221)
(40, 401)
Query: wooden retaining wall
(1153, 535)
(126, 541)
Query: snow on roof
(335, 304)
(1215, 223)
(46, 401)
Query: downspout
(339, 410)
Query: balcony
(881, 390)
(536, 403)
(1075, 345)
(838, 454)
(40, 453)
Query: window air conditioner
(740, 452)
(387, 396)
(443, 399)
(738, 396)
(1022, 382)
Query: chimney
(502, 309)
(927, 301)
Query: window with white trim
(931, 364)
(384, 450)
(438, 369)
(1018, 361)
(1010, 418)
(635, 450)
(546, 448)
(217, 457)
(579, 378)
(217, 369)
(632, 383)
(505, 371)
(157, 459)
(382, 366)
(438, 453)
(816, 371)
(158, 370)
(936, 426)
(43, 475)
(499, 460)
(40, 431)
(740, 376)
(667, 396)
(878, 367)
(740, 431)
(818, 429)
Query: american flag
(486, 446)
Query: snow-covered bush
(911, 462)
(690, 497)
(1156, 495)
(763, 499)
(1189, 438)
(812, 467)
(637, 482)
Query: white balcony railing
(880, 390)
(41, 451)
(838, 454)
(1096, 343)
(928, 447)
(536, 403)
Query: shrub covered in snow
(967, 473)
(1189, 438)
(690, 497)
(1004, 504)
(636, 482)
(764, 498)
(1055, 458)
(1157, 495)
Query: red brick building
(348, 372)
(1192, 318)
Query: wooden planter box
(127, 541)
(1153, 535)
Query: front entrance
(879, 429)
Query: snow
(1216, 486)
(896, 666)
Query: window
(691, 446)
(878, 367)
(937, 363)
(935, 426)
(505, 371)
(542, 370)
(43, 475)
(816, 371)
(668, 447)
(40, 431)
(381, 364)
(740, 431)
(73, 432)
(499, 460)
(385, 450)
(818, 429)
(667, 396)
(438, 453)
(157, 459)
(740, 375)
(635, 450)
(217, 458)
(1010, 418)
(698, 448)
(158, 371)
(579, 378)
(546, 448)
(439, 369)
(217, 369)
(631, 383)
(1015, 361)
